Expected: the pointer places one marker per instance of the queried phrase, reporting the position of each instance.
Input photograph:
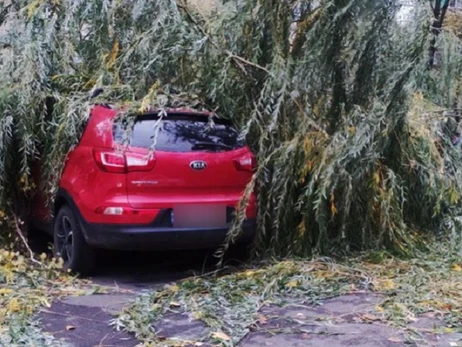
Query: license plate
(199, 216)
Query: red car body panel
(143, 192)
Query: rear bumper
(157, 235)
(131, 238)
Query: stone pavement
(84, 324)
(341, 321)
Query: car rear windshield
(178, 133)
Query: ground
(337, 322)
(346, 320)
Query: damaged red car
(160, 183)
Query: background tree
(440, 8)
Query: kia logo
(198, 165)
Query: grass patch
(430, 283)
(24, 288)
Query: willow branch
(236, 58)
(24, 241)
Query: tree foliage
(335, 97)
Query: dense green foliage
(341, 108)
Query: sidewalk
(341, 321)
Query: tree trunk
(439, 13)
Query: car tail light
(139, 162)
(112, 161)
(246, 163)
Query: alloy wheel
(65, 239)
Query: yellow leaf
(174, 289)
(292, 284)
(113, 55)
(301, 228)
(70, 327)
(14, 305)
(448, 307)
(376, 178)
(220, 336)
(370, 317)
(453, 196)
(379, 308)
(32, 8)
(388, 284)
(146, 102)
(307, 144)
(91, 82)
(333, 209)
(249, 273)
(262, 319)
(5, 291)
(457, 268)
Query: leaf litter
(229, 303)
(25, 288)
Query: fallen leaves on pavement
(220, 336)
(430, 283)
(24, 288)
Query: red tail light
(112, 161)
(246, 163)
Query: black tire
(70, 245)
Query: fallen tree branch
(237, 59)
(24, 241)
(247, 62)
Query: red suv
(117, 192)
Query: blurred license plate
(199, 216)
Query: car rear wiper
(209, 145)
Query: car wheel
(70, 244)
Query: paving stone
(90, 326)
(110, 303)
(345, 334)
(344, 307)
(180, 326)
